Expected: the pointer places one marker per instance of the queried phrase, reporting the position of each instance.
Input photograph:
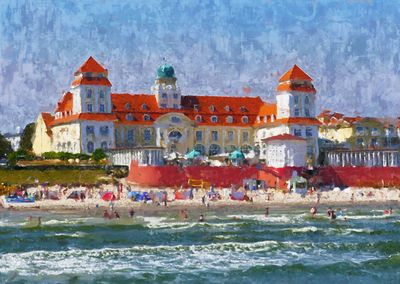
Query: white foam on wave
(221, 257)
(304, 229)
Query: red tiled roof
(290, 86)
(91, 81)
(238, 107)
(48, 119)
(283, 137)
(295, 73)
(85, 116)
(297, 120)
(65, 104)
(352, 120)
(267, 109)
(91, 65)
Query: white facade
(168, 94)
(96, 134)
(284, 153)
(295, 104)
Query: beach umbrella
(237, 154)
(192, 154)
(108, 196)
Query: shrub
(98, 155)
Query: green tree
(5, 146)
(26, 138)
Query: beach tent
(183, 195)
(108, 196)
(237, 195)
(236, 155)
(192, 154)
(74, 195)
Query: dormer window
(196, 107)
(198, 118)
(212, 108)
(245, 119)
(144, 106)
(243, 109)
(227, 108)
(214, 119)
(127, 106)
(146, 117)
(229, 119)
(129, 117)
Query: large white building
(90, 116)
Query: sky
(218, 47)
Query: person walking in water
(131, 213)
(201, 218)
(313, 211)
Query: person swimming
(388, 211)
(313, 210)
(201, 218)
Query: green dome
(165, 71)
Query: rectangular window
(199, 135)
(101, 94)
(230, 136)
(307, 112)
(297, 132)
(89, 107)
(175, 96)
(104, 130)
(176, 106)
(359, 130)
(89, 130)
(245, 136)
(131, 136)
(214, 135)
(296, 100)
(309, 132)
(147, 135)
(164, 95)
(102, 108)
(163, 105)
(296, 112)
(89, 93)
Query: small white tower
(296, 95)
(167, 92)
(91, 89)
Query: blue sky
(350, 48)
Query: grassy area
(65, 176)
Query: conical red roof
(295, 73)
(91, 65)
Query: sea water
(286, 247)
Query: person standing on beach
(266, 212)
(131, 213)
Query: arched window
(214, 119)
(198, 118)
(127, 106)
(214, 149)
(90, 147)
(200, 148)
(229, 119)
(144, 106)
(245, 148)
(245, 119)
(104, 145)
(227, 108)
(129, 117)
(146, 117)
(230, 148)
(212, 108)
(174, 136)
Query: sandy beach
(258, 199)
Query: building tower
(165, 89)
(296, 106)
(91, 89)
